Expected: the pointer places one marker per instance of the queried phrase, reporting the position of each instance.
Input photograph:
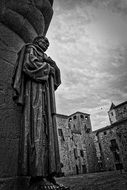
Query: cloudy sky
(88, 41)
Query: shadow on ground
(96, 181)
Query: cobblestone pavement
(96, 181)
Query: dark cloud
(114, 5)
(89, 44)
(68, 4)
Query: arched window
(82, 116)
(86, 117)
(74, 117)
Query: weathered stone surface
(9, 113)
(26, 18)
(77, 151)
(9, 40)
(15, 183)
(18, 24)
(121, 132)
(111, 141)
(8, 155)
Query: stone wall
(98, 166)
(121, 132)
(113, 158)
(118, 112)
(65, 146)
(104, 138)
(98, 154)
(77, 150)
(121, 111)
(10, 114)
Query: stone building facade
(118, 112)
(76, 145)
(111, 141)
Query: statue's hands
(50, 61)
(54, 67)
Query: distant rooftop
(78, 112)
(102, 129)
(61, 115)
(67, 116)
(113, 106)
(110, 126)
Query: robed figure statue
(36, 77)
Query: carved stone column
(20, 22)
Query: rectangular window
(112, 113)
(105, 132)
(113, 142)
(116, 157)
(75, 153)
(114, 145)
(60, 132)
(81, 153)
(87, 129)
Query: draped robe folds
(34, 82)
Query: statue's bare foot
(59, 186)
(46, 184)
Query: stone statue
(36, 77)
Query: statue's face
(43, 44)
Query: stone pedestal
(20, 22)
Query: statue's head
(42, 42)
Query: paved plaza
(96, 181)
